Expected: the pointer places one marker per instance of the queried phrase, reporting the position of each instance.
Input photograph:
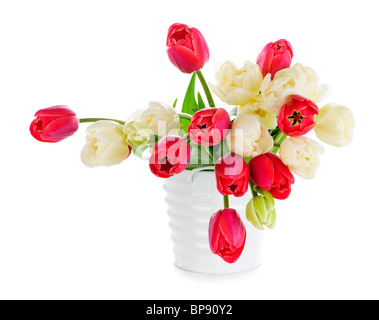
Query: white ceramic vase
(192, 198)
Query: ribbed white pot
(192, 198)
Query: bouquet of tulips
(256, 141)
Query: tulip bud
(137, 134)
(105, 145)
(335, 124)
(260, 211)
(269, 173)
(54, 124)
(186, 48)
(227, 235)
(209, 126)
(275, 57)
(171, 155)
(297, 117)
(232, 175)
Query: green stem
(185, 116)
(85, 120)
(279, 138)
(206, 89)
(252, 188)
(209, 153)
(226, 202)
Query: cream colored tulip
(301, 155)
(106, 145)
(335, 124)
(160, 118)
(299, 80)
(266, 118)
(237, 86)
(248, 137)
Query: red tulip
(54, 124)
(209, 126)
(171, 155)
(227, 235)
(269, 173)
(186, 48)
(232, 175)
(274, 57)
(297, 117)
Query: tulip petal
(262, 171)
(284, 170)
(60, 128)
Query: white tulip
(335, 124)
(160, 118)
(106, 145)
(297, 80)
(301, 155)
(237, 86)
(248, 137)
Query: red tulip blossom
(269, 173)
(171, 155)
(54, 124)
(232, 175)
(227, 235)
(297, 117)
(274, 57)
(186, 48)
(209, 126)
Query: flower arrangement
(256, 141)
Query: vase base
(228, 269)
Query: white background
(69, 232)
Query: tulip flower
(160, 118)
(232, 175)
(171, 155)
(301, 155)
(260, 211)
(237, 86)
(297, 80)
(335, 124)
(248, 138)
(274, 57)
(297, 117)
(209, 126)
(105, 145)
(269, 173)
(54, 124)
(255, 107)
(227, 235)
(186, 48)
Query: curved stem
(226, 202)
(206, 89)
(85, 120)
(184, 115)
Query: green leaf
(200, 101)
(200, 104)
(174, 105)
(189, 103)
